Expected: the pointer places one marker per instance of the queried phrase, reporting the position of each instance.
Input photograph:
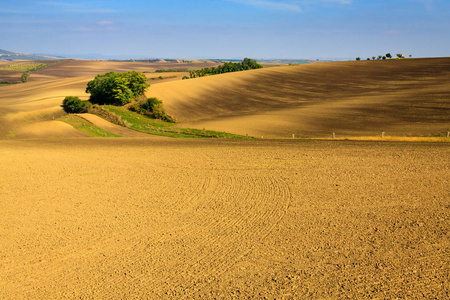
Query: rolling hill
(407, 97)
(400, 97)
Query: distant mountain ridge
(11, 56)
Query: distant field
(407, 97)
(401, 97)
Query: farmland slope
(161, 218)
(22, 105)
(401, 97)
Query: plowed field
(409, 97)
(170, 218)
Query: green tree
(373, 57)
(73, 105)
(245, 64)
(117, 88)
(388, 55)
(358, 58)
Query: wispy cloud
(104, 23)
(428, 4)
(274, 5)
(83, 29)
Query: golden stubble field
(165, 218)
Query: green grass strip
(86, 126)
(141, 123)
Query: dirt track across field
(172, 218)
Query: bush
(73, 105)
(153, 108)
(117, 88)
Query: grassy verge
(141, 123)
(86, 126)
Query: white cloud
(270, 5)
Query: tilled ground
(149, 218)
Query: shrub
(153, 108)
(73, 105)
(25, 76)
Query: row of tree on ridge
(383, 57)
(246, 64)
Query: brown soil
(170, 218)
(401, 97)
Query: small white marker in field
(262, 137)
(382, 134)
(334, 135)
(293, 136)
(448, 134)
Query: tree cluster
(117, 88)
(383, 57)
(246, 64)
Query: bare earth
(155, 217)
(148, 218)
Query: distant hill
(354, 98)
(11, 56)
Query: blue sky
(261, 29)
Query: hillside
(24, 106)
(400, 97)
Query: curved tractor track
(178, 238)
